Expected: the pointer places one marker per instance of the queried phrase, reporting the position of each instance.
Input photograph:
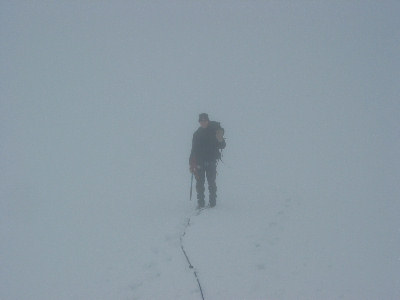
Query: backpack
(214, 125)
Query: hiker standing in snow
(208, 139)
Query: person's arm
(220, 139)
(192, 158)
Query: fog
(98, 104)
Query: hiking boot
(200, 204)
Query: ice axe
(191, 187)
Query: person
(206, 144)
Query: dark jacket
(205, 146)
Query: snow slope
(98, 104)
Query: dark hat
(203, 117)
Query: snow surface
(98, 104)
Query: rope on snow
(196, 276)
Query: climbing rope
(196, 276)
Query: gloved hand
(193, 166)
(220, 135)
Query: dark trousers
(209, 170)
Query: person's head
(203, 120)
